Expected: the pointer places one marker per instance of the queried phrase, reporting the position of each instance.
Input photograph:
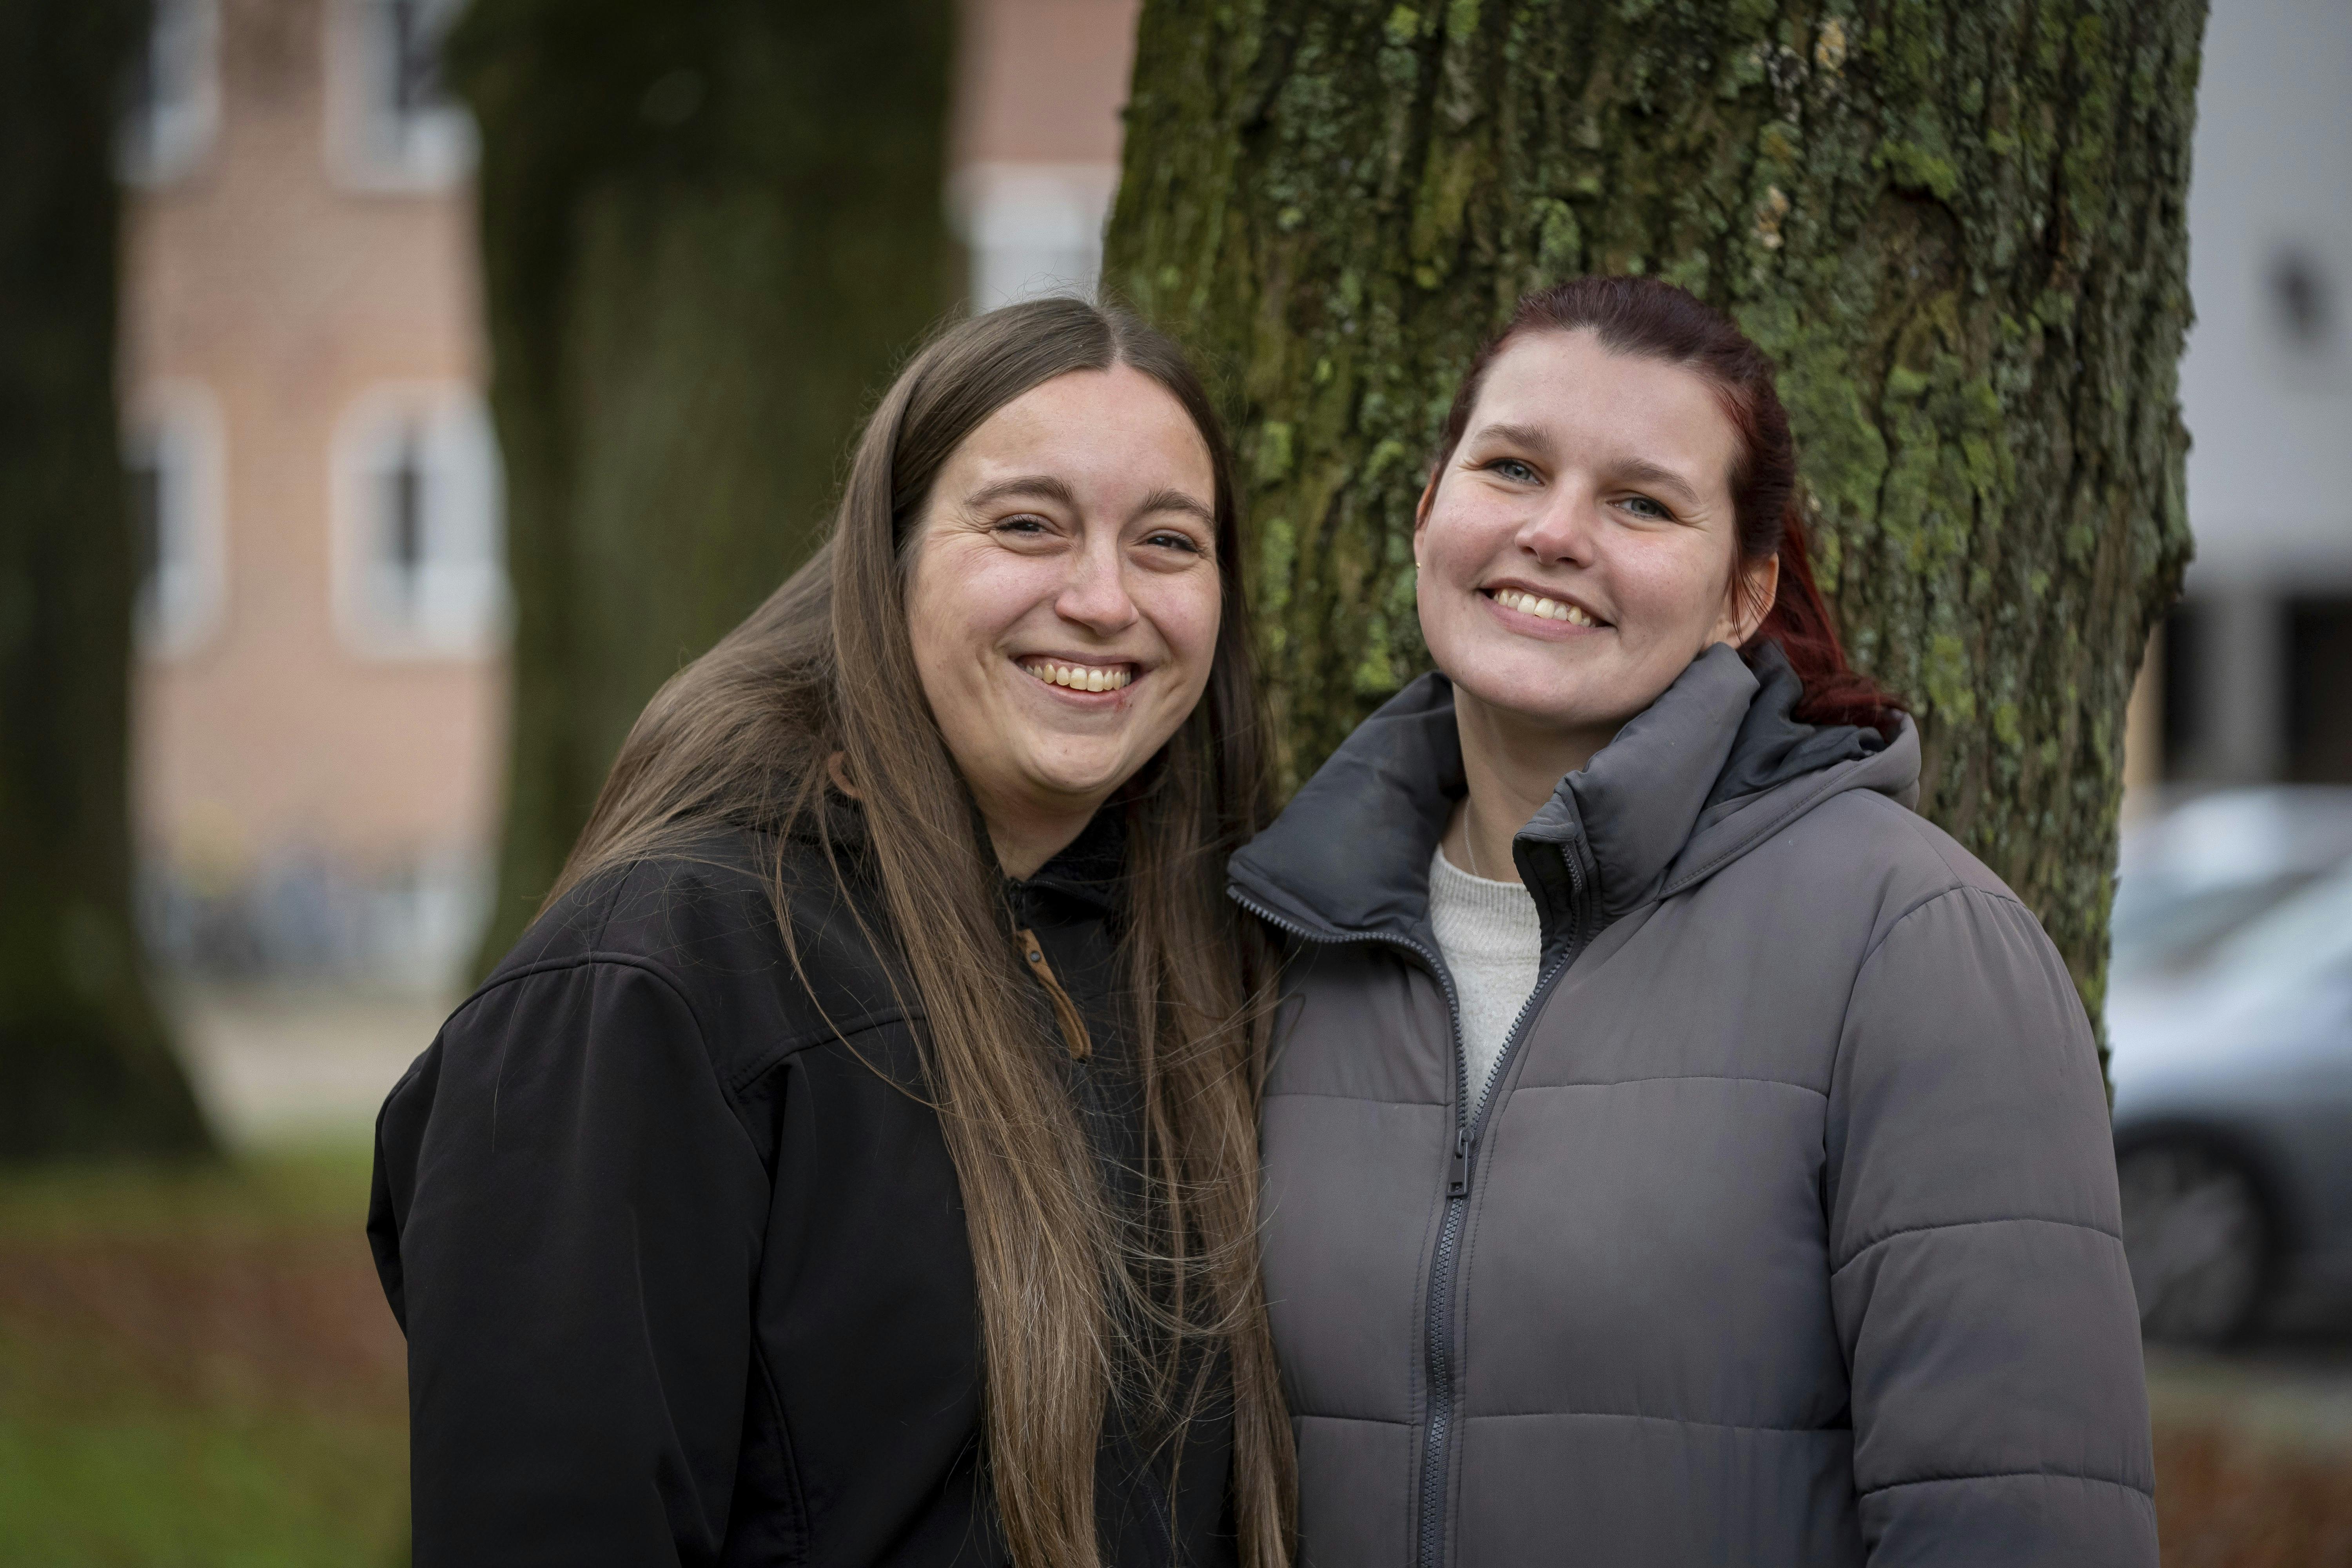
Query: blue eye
(1173, 541)
(1513, 470)
(1643, 506)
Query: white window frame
(371, 145)
(1032, 230)
(456, 604)
(175, 425)
(165, 136)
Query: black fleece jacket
(678, 1249)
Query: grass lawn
(196, 1369)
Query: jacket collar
(1709, 769)
(1086, 873)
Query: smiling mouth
(1543, 608)
(1080, 677)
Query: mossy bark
(1958, 225)
(707, 233)
(85, 1063)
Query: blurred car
(2230, 1019)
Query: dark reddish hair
(1649, 319)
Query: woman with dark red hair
(1677, 1151)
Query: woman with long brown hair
(855, 1163)
(1678, 1153)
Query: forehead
(1117, 428)
(1599, 405)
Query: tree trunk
(708, 231)
(1958, 225)
(86, 1065)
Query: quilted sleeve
(1999, 1406)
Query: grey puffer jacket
(1785, 1231)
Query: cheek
(961, 600)
(1461, 537)
(1187, 610)
(1668, 590)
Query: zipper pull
(1460, 1186)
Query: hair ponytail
(1800, 624)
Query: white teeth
(1079, 677)
(1550, 609)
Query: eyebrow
(1638, 470)
(1641, 470)
(1527, 436)
(1043, 487)
(1176, 500)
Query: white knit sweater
(1491, 938)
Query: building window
(172, 458)
(2319, 690)
(1032, 230)
(420, 569)
(391, 123)
(172, 95)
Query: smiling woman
(1065, 599)
(855, 1162)
(1679, 1153)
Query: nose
(1094, 595)
(1566, 530)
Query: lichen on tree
(1957, 224)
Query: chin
(1551, 699)
(1078, 779)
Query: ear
(1755, 589)
(1420, 513)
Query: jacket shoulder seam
(616, 960)
(1953, 889)
(1856, 1256)
(863, 1023)
(581, 961)
(2132, 1487)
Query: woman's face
(1064, 598)
(1576, 552)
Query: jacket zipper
(1468, 1123)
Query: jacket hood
(1710, 770)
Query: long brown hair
(806, 703)
(1649, 319)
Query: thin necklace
(1470, 834)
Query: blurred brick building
(321, 696)
(319, 706)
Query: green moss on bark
(1958, 225)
